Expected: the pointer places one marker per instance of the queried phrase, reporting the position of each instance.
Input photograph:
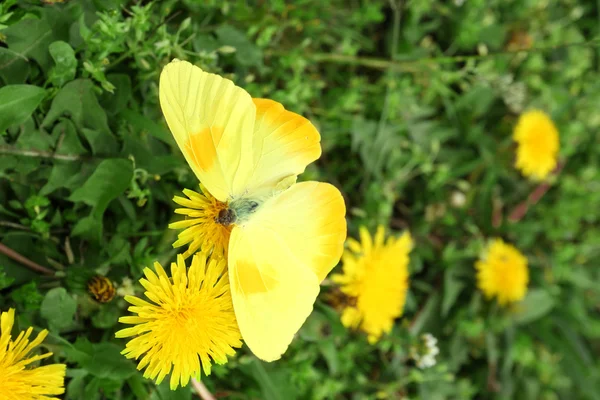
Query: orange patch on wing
(283, 122)
(202, 147)
(253, 280)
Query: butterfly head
(226, 217)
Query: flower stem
(37, 153)
(25, 261)
(202, 391)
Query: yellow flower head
(203, 227)
(375, 275)
(502, 273)
(538, 144)
(190, 324)
(17, 380)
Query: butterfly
(286, 236)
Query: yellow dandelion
(18, 379)
(206, 227)
(502, 273)
(375, 276)
(191, 324)
(538, 144)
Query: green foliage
(415, 102)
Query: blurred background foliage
(415, 101)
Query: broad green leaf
(58, 308)
(107, 316)
(5, 281)
(14, 68)
(146, 125)
(30, 38)
(110, 179)
(89, 227)
(76, 384)
(65, 63)
(536, 304)
(68, 140)
(78, 101)
(17, 103)
(64, 174)
(32, 138)
(101, 388)
(103, 360)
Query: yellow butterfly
(286, 236)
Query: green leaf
(137, 385)
(58, 308)
(116, 102)
(68, 140)
(30, 38)
(17, 103)
(33, 139)
(452, 288)
(27, 297)
(63, 175)
(66, 63)
(77, 100)
(110, 179)
(14, 68)
(89, 227)
(536, 304)
(103, 360)
(272, 381)
(76, 385)
(5, 281)
(246, 52)
(107, 316)
(99, 388)
(146, 125)
(164, 392)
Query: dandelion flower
(375, 276)
(502, 273)
(190, 324)
(203, 228)
(18, 379)
(538, 145)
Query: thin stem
(521, 209)
(201, 390)
(15, 226)
(25, 261)
(411, 65)
(37, 153)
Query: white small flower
(424, 355)
(458, 199)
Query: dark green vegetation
(415, 102)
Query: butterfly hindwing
(277, 260)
